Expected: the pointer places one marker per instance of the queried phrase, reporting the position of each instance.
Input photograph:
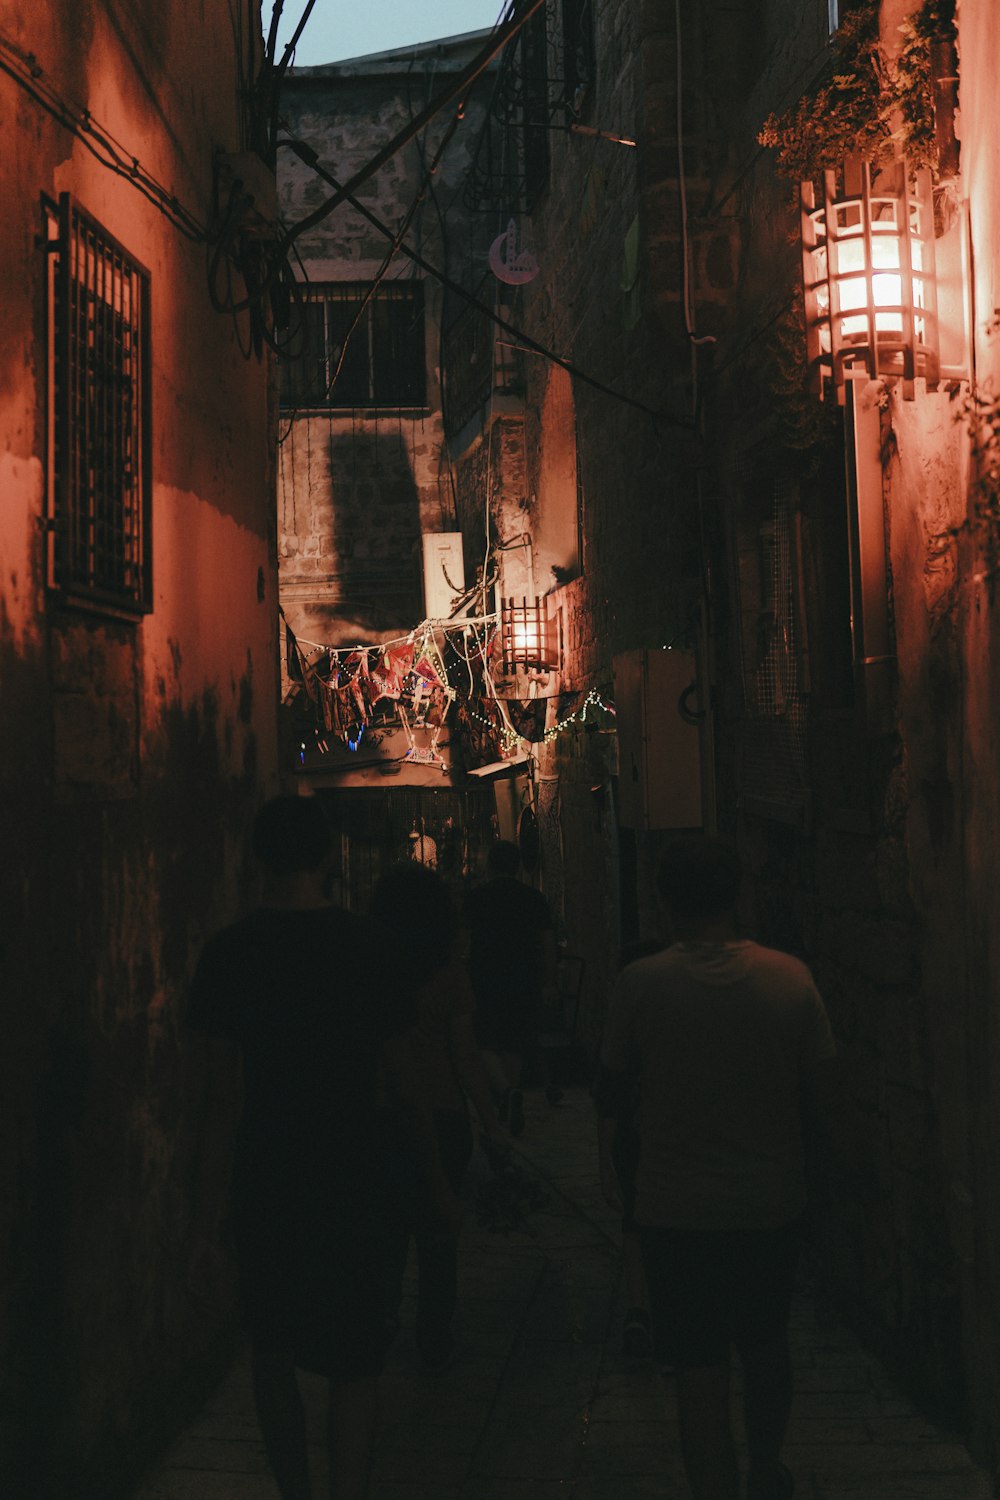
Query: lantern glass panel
(885, 253)
(852, 293)
(884, 215)
(887, 291)
(850, 257)
(847, 215)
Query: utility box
(659, 739)
(444, 573)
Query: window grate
(101, 549)
(348, 352)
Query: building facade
(763, 612)
(852, 625)
(138, 655)
(371, 552)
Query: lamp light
(528, 638)
(868, 276)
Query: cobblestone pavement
(541, 1402)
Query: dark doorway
(377, 828)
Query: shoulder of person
(649, 969)
(782, 966)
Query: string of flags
(404, 684)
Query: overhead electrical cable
(25, 69)
(343, 193)
(306, 154)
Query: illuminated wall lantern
(869, 277)
(528, 638)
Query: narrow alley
(541, 1403)
(543, 443)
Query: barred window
(579, 55)
(535, 105)
(100, 549)
(347, 352)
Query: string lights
(592, 700)
(427, 654)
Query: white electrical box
(444, 573)
(659, 739)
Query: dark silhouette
(416, 927)
(284, 997)
(732, 1046)
(512, 961)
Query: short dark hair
(699, 877)
(504, 858)
(414, 902)
(291, 834)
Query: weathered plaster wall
(132, 756)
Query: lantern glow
(528, 637)
(868, 277)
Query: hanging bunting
(527, 718)
(389, 673)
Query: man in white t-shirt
(732, 1047)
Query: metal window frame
(92, 357)
(408, 289)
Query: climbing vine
(804, 424)
(868, 105)
(845, 112)
(980, 412)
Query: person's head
(698, 879)
(413, 903)
(291, 836)
(504, 858)
(630, 953)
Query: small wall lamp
(868, 276)
(528, 638)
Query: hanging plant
(804, 424)
(869, 106)
(980, 411)
(846, 113)
(912, 85)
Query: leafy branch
(869, 104)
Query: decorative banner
(508, 264)
(339, 689)
(527, 718)
(388, 676)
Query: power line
(458, 86)
(306, 154)
(26, 71)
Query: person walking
(733, 1051)
(292, 1041)
(416, 931)
(512, 962)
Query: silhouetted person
(733, 1048)
(512, 956)
(415, 932)
(285, 995)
